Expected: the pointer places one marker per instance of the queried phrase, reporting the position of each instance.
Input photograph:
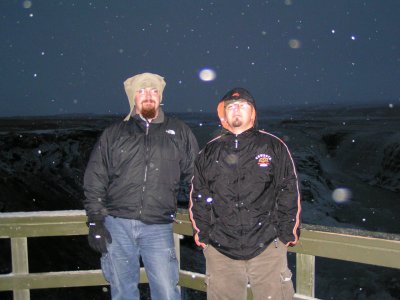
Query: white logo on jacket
(263, 160)
(170, 131)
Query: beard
(148, 112)
(237, 122)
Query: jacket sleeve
(95, 181)
(287, 197)
(190, 151)
(199, 207)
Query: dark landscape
(351, 149)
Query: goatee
(148, 113)
(237, 122)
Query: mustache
(148, 101)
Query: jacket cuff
(202, 245)
(201, 241)
(287, 237)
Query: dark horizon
(264, 109)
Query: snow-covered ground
(348, 160)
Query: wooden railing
(343, 244)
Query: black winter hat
(237, 94)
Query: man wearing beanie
(245, 206)
(133, 177)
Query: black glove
(98, 236)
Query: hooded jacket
(245, 193)
(136, 169)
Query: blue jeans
(121, 266)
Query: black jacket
(245, 193)
(136, 169)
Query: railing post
(177, 241)
(249, 294)
(305, 274)
(20, 265)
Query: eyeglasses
(238, 105)
(144, 91)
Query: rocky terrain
(348, 160)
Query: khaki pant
(267, 274)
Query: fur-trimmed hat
(140, 81)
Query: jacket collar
(244, 133)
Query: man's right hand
(98, 236)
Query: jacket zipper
(146, 144)
(238, 192)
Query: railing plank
(192, 280)
(347, 247)
(84, 278)
(57, 279)
(41, 224)
(183, 225)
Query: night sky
(62, 57)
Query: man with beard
(245, 206)
(133, 177)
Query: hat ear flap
(130, 93)
(129, 115)
(221, 116)
(253, 115)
